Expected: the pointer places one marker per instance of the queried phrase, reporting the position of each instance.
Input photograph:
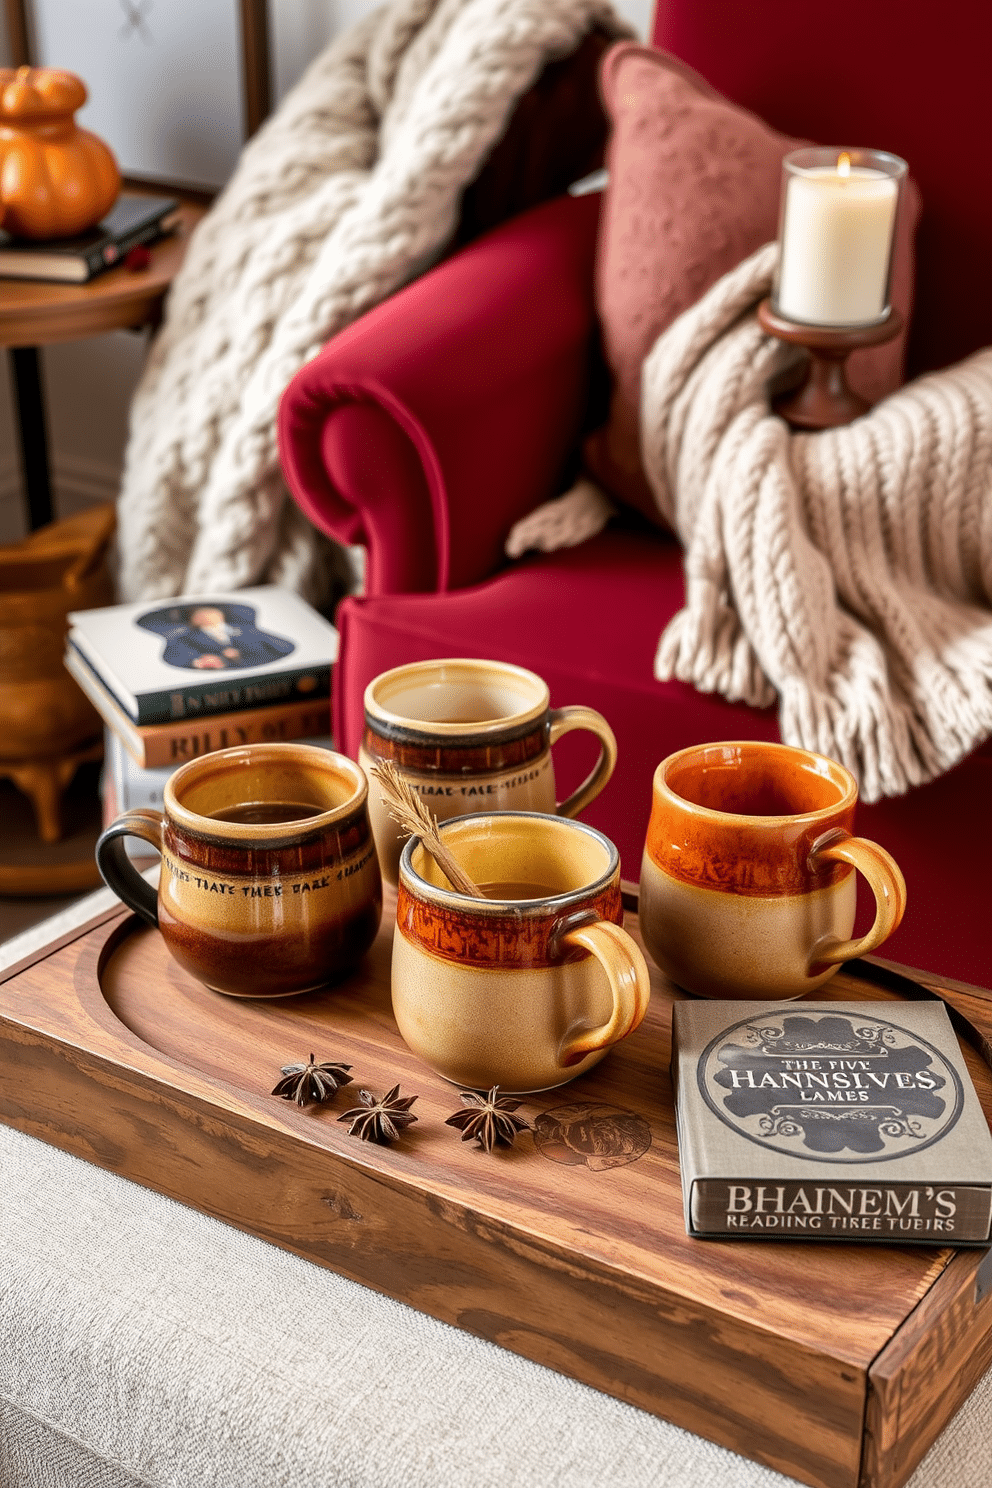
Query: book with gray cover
(829, 1121)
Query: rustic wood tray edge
(947, 1334)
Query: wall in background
(302, 27)
(89, 383)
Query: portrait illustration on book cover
(214, 637)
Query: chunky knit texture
(350, 190)
(846, 573)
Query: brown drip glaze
(473, 757)
(519, 938)
(707, 852)
(308, 853)
(253, 965)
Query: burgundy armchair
(426, 429)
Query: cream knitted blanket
(847, 574)
(350, 190)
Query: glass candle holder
(836, 229)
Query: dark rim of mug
(411, 880)
(264, 834)
(839, 774)
(479, 755)
(487, 736)
(405, 730)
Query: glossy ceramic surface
(471, 735)
(747, 880)
(258, 909)
(523, 993)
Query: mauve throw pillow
(694, 189)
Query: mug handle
(886, 881)
(563, 721)
(630, 983)
(116, 868)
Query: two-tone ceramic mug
(533, 984)
(472, 736)
(748, 883)
(269, 883)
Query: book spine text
(174, 744)
(201, 700)
(839, 1210)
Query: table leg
(34, 439)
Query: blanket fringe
(705, 645)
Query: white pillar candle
(836, 241)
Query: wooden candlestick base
(824, 400)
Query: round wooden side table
(34, 313)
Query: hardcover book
(829, 1121)
(198, 656)
(154, 746)
(132, 220)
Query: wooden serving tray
(838, 1364)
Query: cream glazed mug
(748, 884)
(532, 985)
(472, 736)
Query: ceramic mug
(529, 987)
(747, 881)
(269, 883)
(471, 736)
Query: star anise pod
(308, 1084)
(382, 1120)
(488, 1119)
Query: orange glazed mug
(747, 880)
(269, 882)
(533, 984)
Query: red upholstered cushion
(913, 80)
(694, 188)
(587, 620)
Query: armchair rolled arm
(428, 427)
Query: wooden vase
(49, 727)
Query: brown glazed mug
(532, 985)
(472, 736)
(269, 883)
(747, 881)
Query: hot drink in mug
(269, 882)
(531, 985)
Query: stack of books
(132, 221)
(183, 677)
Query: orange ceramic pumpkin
(56, 179)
